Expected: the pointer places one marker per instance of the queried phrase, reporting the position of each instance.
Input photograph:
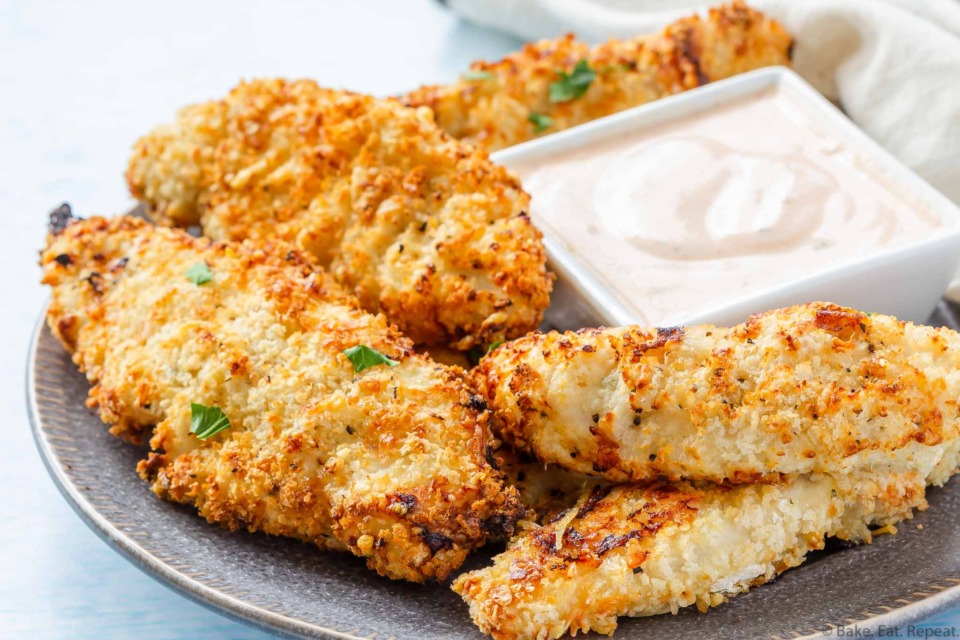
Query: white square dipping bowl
(904, 280)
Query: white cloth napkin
(892, 65)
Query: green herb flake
(475, 75)
(474, 354)
(614, 68)
(206, 422)
(540, 121)
(572, 85)
(363, 357)
(199, 274)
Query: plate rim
(924, 606)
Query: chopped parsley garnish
(477, 75)
(476, 352)
(540, 121)
(363, 357)
(572, 85)
(199, 274)
(206, 422)
(613, 68)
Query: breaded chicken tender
(417, 225)
(638, 551)
(555, 84)
(811, 388)
(389, 462)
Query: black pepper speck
(60, 218)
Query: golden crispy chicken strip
(810, 388)
(555, 84)
(638, 551)
(643, 550)
(389, 462)
(419, 226)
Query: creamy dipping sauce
(707, 209)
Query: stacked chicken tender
(722, 457)
(418, 226)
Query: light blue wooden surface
(78, 83)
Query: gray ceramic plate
(297, 590)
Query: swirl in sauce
(700, 211)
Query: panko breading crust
(390, 463)
(492, 107)
(419, 226)
(811, 388)
(640, 551)
(544, 489)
